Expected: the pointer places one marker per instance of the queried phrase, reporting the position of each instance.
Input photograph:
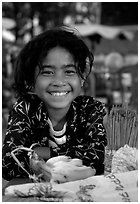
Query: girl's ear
(32, 90)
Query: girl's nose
(59, 80)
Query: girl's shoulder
(86, 101)
(26, 104)
(89, 103)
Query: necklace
(59, 136)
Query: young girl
(50, 114)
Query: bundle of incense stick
(122, 127)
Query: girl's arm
(92, 149)
(19, 133)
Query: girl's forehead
(58, 55)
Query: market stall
(115, 49)
(119, 182)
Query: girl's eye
(47, 72)
(70, 71)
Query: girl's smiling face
(58, 82)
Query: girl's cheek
(40, 82)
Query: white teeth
(58, 93)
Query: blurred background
(110, 29)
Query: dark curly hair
(36, 50)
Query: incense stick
(122, 127)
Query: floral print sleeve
(17, 135)
(91, 140)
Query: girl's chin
(58, 106)
(59, 103)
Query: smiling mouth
(59, 93)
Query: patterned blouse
(28, 124)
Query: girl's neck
(58, 118)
